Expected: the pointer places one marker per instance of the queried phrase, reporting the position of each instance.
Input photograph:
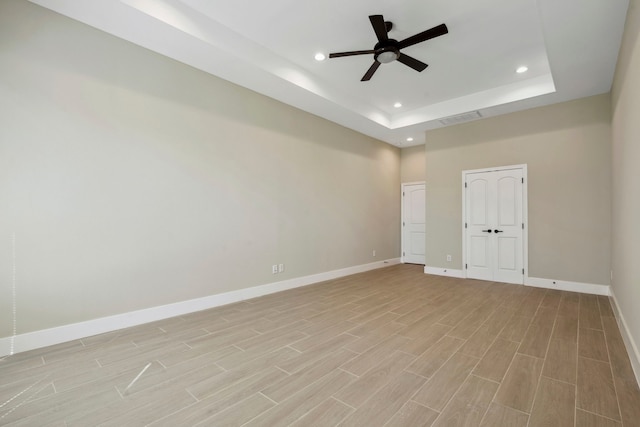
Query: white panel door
(508, 231)
(494, 226)
(413, 223)
(479, 227)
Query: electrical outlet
(448, 258)
(374, 253)
(280, 268)
(274, 269)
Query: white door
(494, 227)
(413, 223)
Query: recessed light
(320, 57)
(397, 105)
(409, 139)
(522, 69)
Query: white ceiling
(569, 46)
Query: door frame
(402, 190)
(525, 215)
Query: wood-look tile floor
(390, 347)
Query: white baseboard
(449, 272)
(629, 342)
(564, 285)
(47, 337)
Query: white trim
(588, 288)
(629, 342)
(525, 221)
(464, 219)
(496, 169)
(525, 214)
(402, 191)
(564, 285)
(449, 272)
(47, 337)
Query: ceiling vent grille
(461, 118)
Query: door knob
(497, 231)
(486, 231)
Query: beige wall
(626, 177)
(567, 150)
(131, 180)
(412, 164)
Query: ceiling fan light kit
(388, 50)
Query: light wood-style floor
(390, 347)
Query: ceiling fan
(388, 50)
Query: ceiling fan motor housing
(386, 51)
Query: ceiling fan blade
(355, 52)
(377, 22)
(367, 76)
(437, 31)
(412, 62)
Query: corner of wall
(629, 342)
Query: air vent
(461, 118)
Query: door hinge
(403, 223)
(402, 253)
(465, 267)
(523, 271)
(465, 185)
(403, 193)
(523, 180)
(465, 225)
(523, 225)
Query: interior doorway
(494, 228)
(413, 223)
